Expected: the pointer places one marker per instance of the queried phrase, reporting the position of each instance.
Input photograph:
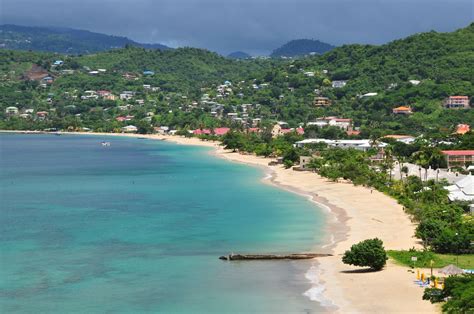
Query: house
(462, 129)
(129, 76)
(129, 129)
(47, 80)
(202, 132)
(414, 82)
(338, 84)
(456, 102)
(126, 95)
(309, 74)
(93, 72)
(162, 130)
(368, 95)
(58, 62)
(11, 111)
(148, 73)
(321, 101)
(459, 158)
(278, 130)
(41, 115)
(462, 190)
(402, 110)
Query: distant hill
(301, 47)
(63, 40)
(239, 55)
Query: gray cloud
(255, 26)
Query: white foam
(315, 293)
(332, 240)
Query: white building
(339, 84)
(129, 129)
(363, 145)
(462, 190)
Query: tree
(369, 252)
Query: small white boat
(105, 144)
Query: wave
(315, 293)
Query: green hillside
(437, 64)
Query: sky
(254, 26)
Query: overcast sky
(254, 26)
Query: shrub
(369, 253)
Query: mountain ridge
(63, 40)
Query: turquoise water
(138, 227)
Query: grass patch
(466, 261)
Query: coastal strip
(357, 213)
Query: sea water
(139, 226)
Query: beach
(355, 213)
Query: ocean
(139, 226)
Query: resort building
(345, 124)
(321, 101)
(402, 110)
(129, 129)
(363, 145)
(458, 158)
(456, 102)
(462, 190)
(407, 139)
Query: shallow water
(139, 226)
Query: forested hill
(301, 47)
(63, 40)
(438, 56)
(419, 71)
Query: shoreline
(353, 214)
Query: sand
(354, 213)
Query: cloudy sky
(254, 26)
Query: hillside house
(321, 101)
(407, 139)
(456, 102)
(339, 84)
(406, 110)
(462, 129)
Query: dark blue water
(138, 227)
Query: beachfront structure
(304, 161)
(11, 111)
(129, 129)
(402, 110)
(321, 101)
(126, 95)
(456, 102)
(279, 130)
(462, 190)
(216, 131)
(459, 158)
(363, 145)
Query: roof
(458, 97)
(462, 129)
(402, 108)
(462, 190)
(397, 136)
(458, 152)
